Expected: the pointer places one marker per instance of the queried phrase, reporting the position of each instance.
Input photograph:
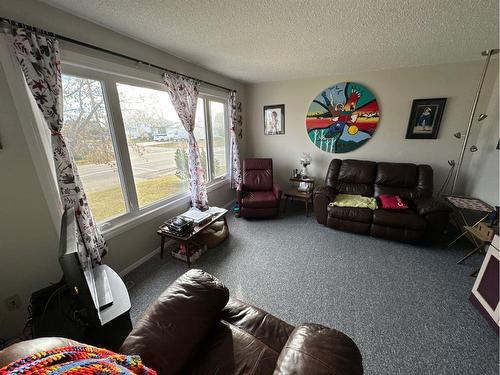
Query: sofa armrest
(437, 215)
(322, 197)
(277, 191)
(174, 327)
(326, 191)
(315, 349)
(429, 205)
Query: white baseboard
(229, 204)
(156, 251)
(144, 259)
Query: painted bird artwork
(342, 117)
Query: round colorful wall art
(342, 117)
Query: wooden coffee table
(191, 237)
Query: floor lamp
(488, 53)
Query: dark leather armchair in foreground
(259, 197)
(194, 327)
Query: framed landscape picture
(274, 119)
(425, 118)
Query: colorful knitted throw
(77, 360)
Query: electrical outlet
(13, 302)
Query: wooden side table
(295, 193)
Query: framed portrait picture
(274, 119)
(425, 118)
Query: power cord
(447, 180)
(54, 293)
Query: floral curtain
(40, 62)
(236, 123)
(184, 95)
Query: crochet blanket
(77, 360)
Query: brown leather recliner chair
(259, 196)
(424, 221)
(195, 328)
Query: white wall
(395, 91)
(483, 168)
(28, 240)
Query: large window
(86, 129)
(154, 136)
(217, 116)
(129, 144)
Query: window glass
(200, 134)
(157, 143)
(217, 120)
(87, 131)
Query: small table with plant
(302, 190)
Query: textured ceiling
(265, 40)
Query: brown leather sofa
(259, 197)
(424, 221)
(194, 327)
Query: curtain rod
(97, 48)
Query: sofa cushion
(397, 234)
(348, 225)
(365, 190)
(230, 350)
(403, 175)
(357, 171)
(352, 176)
(409, 181)
(247, 339)
(362, 215)
(257, 174)
(270, 330)
(259, 199)
(399, 219)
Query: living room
(404, 303)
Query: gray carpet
(406, 307)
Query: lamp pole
(488, 53)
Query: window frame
(134, 214)
(207, 97)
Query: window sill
(128, 221)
